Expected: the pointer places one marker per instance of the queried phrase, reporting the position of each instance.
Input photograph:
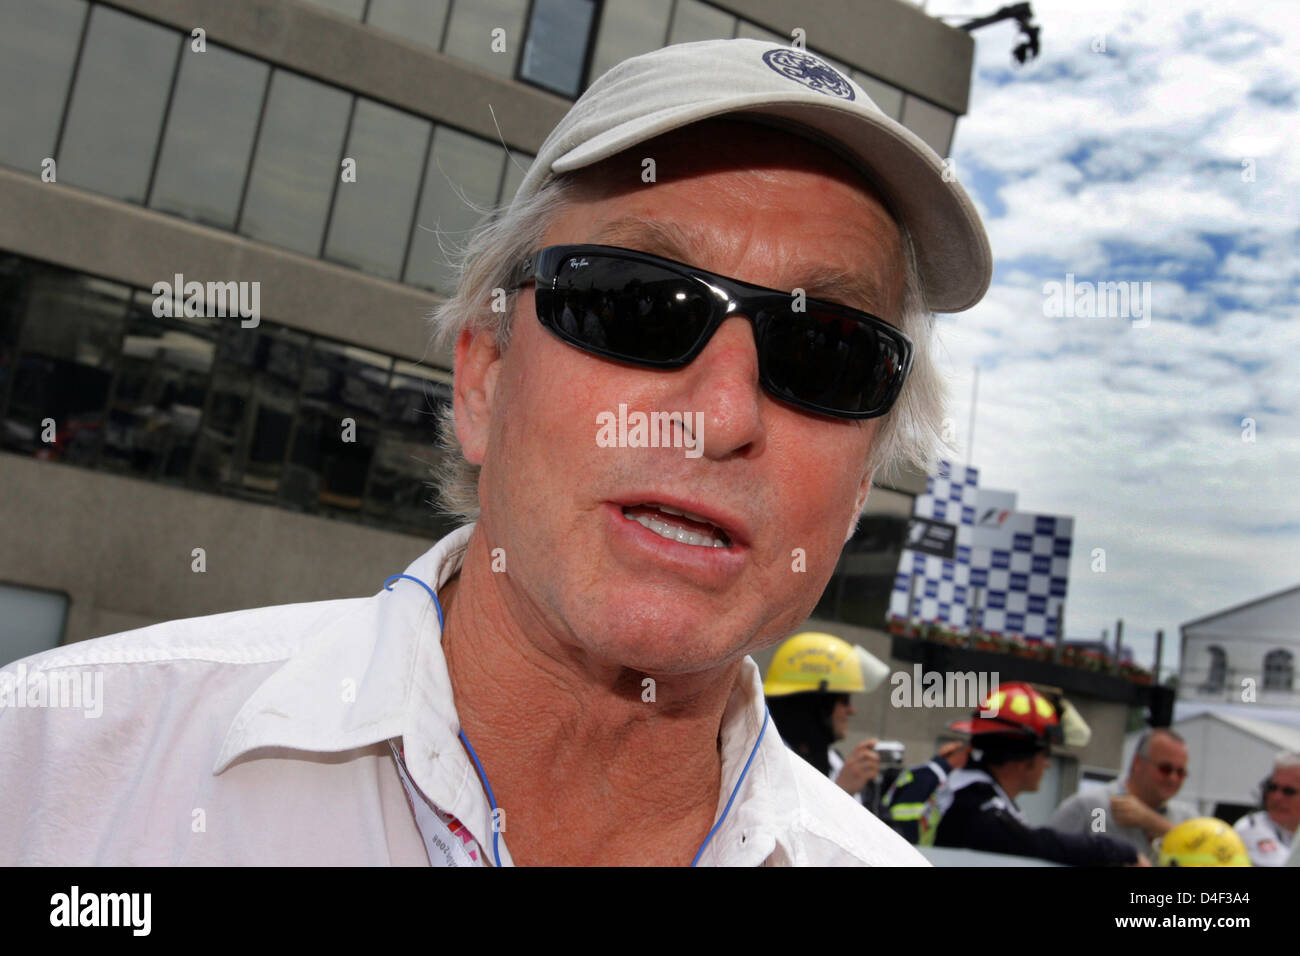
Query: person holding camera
(809, 689)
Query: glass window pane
(629, 28)
(158, 399)
(209, 135)
(415, 396)
(419, 21)
(372, 216)
(37, 47)
(516, 168)
(347, 8)
(296, 163)
(68, 348)
(470, 33)
(697, 21)
(459, 165)
(33, 621)
(752, 31)
(351, 380)
(326, 472)
(556, 51)
(117, 106)
(888, 98)
(250, 409)
(932, 123)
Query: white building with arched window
(1246, 655)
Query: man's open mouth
(677, 525)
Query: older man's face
(1284, 807)
(1157, 777)
(752, 204)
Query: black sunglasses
(656, 313)
(1272, 787)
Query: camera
(891, 753)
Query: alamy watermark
(960, 689)
(651, 430)
(72, 689)
(1098, 300)
(211, 299)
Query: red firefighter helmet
(1016, 710)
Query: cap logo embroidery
(807, 69)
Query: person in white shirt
(1141, 808)
(566, 678)
(1270, 833)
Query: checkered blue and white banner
(1010, 567)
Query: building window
(116, 112)
(419, 21)
(693, 20)
(296, 163)
(209, 137)
(1279, 670)
(629, 28)
(38, 47)
(463, 172)
(90, 376)
(555, 54)
(1218, 673)
(371, 221)
(34, 620)
(157, 396)
(344, 8)
(68, 345)
(487, 32)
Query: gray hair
(1144, 742)
(908, 436)
(1286, 760)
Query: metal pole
(1160, 647)
(970, 434)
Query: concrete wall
(120, 548)
(81, 230)
(892, 40)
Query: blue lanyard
(492, 800)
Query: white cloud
(1128, 165)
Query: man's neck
(586, 767)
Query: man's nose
(723, 386)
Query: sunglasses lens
(829, 360)
(629, 310)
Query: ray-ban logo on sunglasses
(577, 263)
(651, 430)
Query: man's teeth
(675, 532)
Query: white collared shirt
(260, 737)
(1266, 842)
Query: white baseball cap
(672, 87)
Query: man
(809, 686)
(1140, 809)
(566, 680)
(1011, 738)
(1269, 833)
(906, 799)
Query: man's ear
(478, 362)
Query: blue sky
(1171, 157)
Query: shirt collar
(378, 672)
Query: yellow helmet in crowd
(824, 662)
(1204, 841)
